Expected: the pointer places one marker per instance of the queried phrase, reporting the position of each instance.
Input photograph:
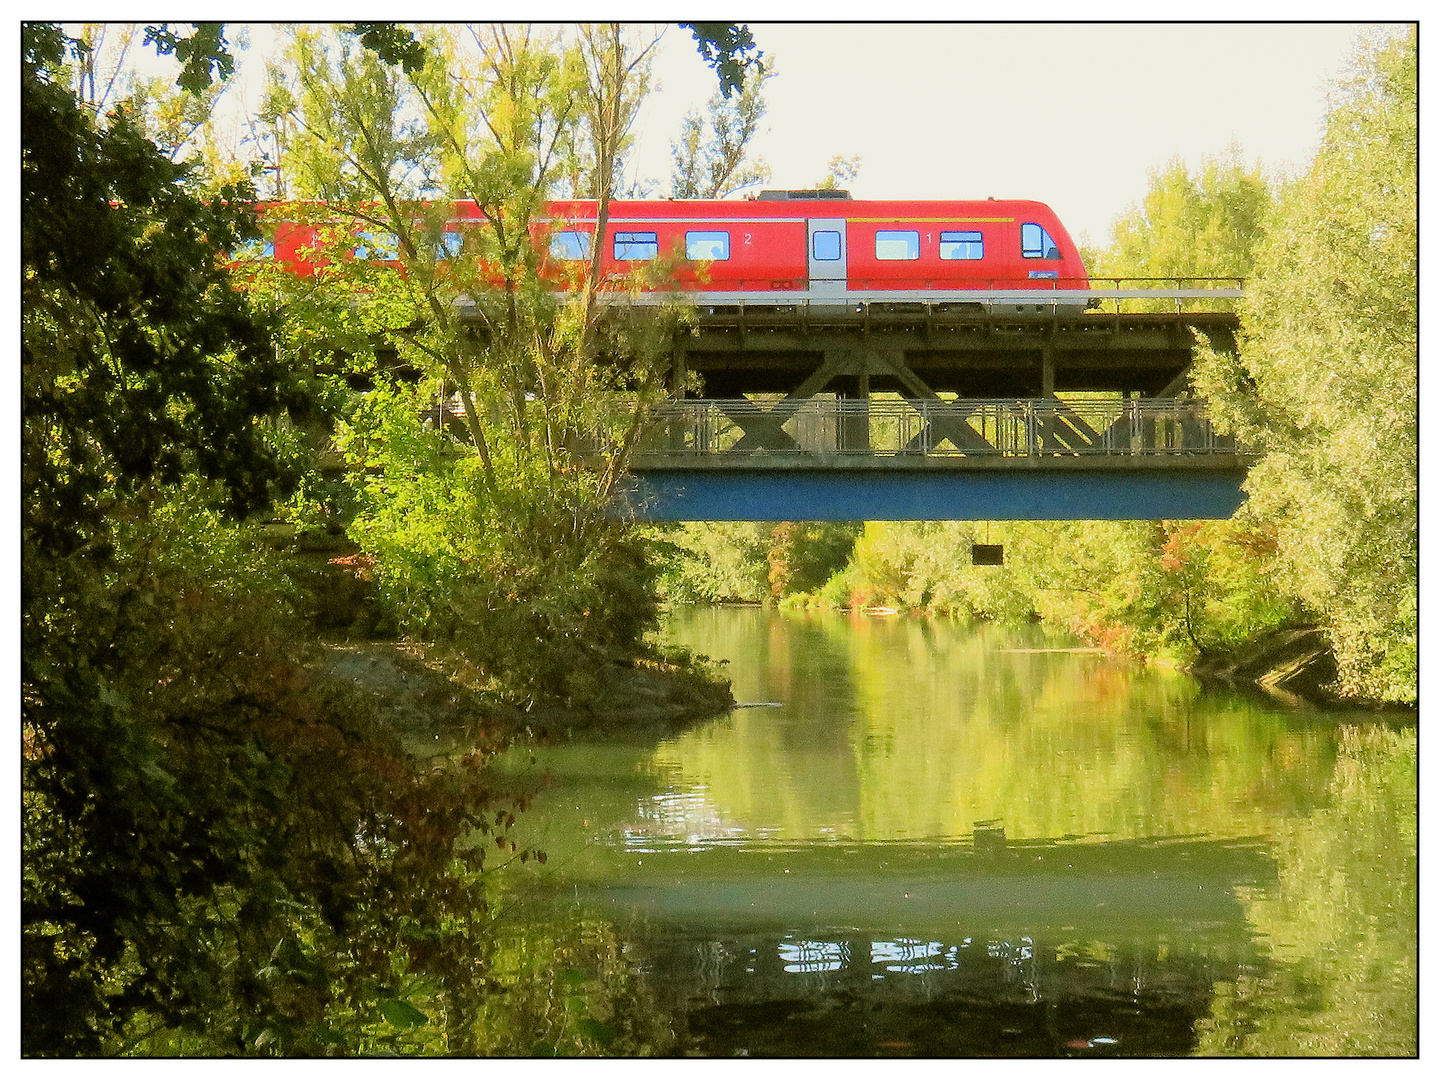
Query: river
(919, 838)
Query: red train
(792, 245)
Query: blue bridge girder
(837, 494)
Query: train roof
(790, 208)
(720, 209)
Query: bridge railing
(1006, 428)
(1117, 295)
(935, 302)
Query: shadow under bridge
(891, 458)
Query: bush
(526, 590)
(223, 848)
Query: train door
(827, 255)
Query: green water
(923, 839)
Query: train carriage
(784, 247)
(828, 246)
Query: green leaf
(402, 1013)
(155, 772)
(601, 1032)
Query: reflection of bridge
(1136, 887)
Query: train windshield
(1036, 243)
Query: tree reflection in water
(944, 842)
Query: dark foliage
(204, 54)
(218, 842)
(139, 364)
(391, 44)
(727, 47)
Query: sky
(1072, 114)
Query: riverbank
(639, 697)
(645, 699)
(1159, 591)
(1295, 664)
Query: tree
(727, 47)
(496, 550)
(1326, 379)
(139, 364)
(1198, 225)
(106, 73)
(140, 368)
(101, 72)
(217, 843)
(839, 170)
(710, 165)
(204, 53)
(617, 77)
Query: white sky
(1072, 115)
(1075, 115)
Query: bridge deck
(859, 303)
(977, 342)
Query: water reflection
(955, 841)
(971, 996)
(895, 729)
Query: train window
(826, 246)
(707, 245)
(896, 244)
(962, 245)
(570, 245)
(381, 246)
(256, 249)
(636, 245)
(1035, 243)
(449, 245)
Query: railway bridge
(999, 405)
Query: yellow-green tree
(494, 546)
(711, 164)
(1190, 225)
(1326, 379)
